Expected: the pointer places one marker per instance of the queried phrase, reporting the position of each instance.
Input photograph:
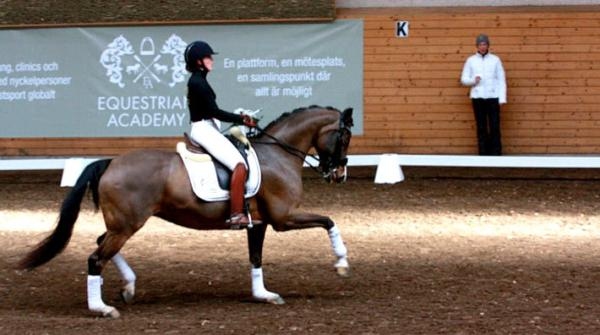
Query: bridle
(327, 164)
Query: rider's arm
(205, 104)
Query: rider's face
(208, 63)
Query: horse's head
(332, 147)
(325, 129)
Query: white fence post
(389, 170)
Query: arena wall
(413, 101)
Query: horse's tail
(69, 211)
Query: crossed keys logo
(147, 67)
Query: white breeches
(209, 137)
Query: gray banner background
(130, 81)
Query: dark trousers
(487, 117)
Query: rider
(204, 116)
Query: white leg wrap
(95, 303)
(259, 291)
(126, 272)
(339, 249)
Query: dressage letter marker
(402, 29)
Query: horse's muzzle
(336, 175)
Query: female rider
(205, 129)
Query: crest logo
(147, 67)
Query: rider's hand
(249, 121)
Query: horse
(131, 188)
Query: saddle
(223, 173)
(210, 178)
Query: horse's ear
(347, 117)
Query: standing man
(484, 73)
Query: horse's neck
(299, 132)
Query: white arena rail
(71, 166)
(508, 161)
(39, 163)
(388, 165)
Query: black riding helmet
(194, 51)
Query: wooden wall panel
(414, 102)
(81, 146)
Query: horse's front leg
(256, 237)
(307, 220)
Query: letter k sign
(402, 29)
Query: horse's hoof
(277, 301)
(111, 313)
(126, 296)
(270, 298)
(343, 271)
(128, 292)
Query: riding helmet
(194, 51)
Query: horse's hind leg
(128, 276)
(256, 236)
(107, 249)
(126, 272)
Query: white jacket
(493, 81)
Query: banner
(131, 81)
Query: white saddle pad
(203, 176)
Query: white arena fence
(389, 165)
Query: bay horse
(131, 188)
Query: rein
(326, 164)
(290, 149)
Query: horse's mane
(285, 115)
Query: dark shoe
(238, 221)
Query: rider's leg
(217, 145)
(238, 218)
